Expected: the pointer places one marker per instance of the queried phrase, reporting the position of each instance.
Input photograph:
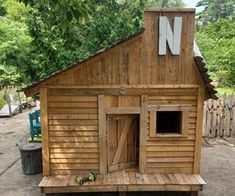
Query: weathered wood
(86, 105)
(153, 124)
(123, 110)
(219, 117)
(122, 140)
(143, 133)
(124, 181)
(45, 130)
(198, 139)
(102, 136)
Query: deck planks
(124, 180)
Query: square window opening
(169, 122)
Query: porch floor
(124, 181)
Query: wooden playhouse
(131, 112)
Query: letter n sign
(173, 38)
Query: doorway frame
(103, 150)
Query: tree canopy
(38, 37)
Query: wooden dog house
(131, 112)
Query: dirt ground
(217, 166)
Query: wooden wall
(136, 61)
(166, 154)
(73, 133)
(71, 114)
(73, 136)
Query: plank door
(123, 134)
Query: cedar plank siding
(72, 104)
(169, 154)
(73, 133)
(136, 61)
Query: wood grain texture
(102, 136)
(124, 181)
(198, 139)
(136, 61)
(45, 137)
(143, 133)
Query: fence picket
(219, 117)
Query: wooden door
(123, 134)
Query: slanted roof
(198, 59)
(200, 63)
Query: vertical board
(136, 61)
(44, 126)
(198, 139)
(143, 134)
(102, 136)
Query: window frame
(184, 121)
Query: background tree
(215, 9)
(217, 43)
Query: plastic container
(31, 158)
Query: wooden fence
(219, 117)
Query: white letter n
(166, 35)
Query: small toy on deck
(90, 178)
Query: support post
(143, 133)
(102, 136)
(44, 128)
(198, 134)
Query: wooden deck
(124, 181)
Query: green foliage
(10, 77)
(14, 40)
(16, 11)
(228, 91)
(215, 9)
(47, 35)
(59, 12)
(2, 101)
(165, 3)
(217, 42)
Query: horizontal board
(73, 139)
(170, 159)
(74, 166)
(73, 110)
(168, 170)
(75, 156)
(163, 154)
(73, 133)
(172, 165)
(169, 138)
(193, 114)
(72, 172)
(160, 97)
(73, 127)
(72, 104)
(74, 150)
(73, 145)
(73, 122)
(115, 91)
(72, 116)
(72, 98)
(63, 160)
(170, 148)
(156, 102)
(171, 142)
